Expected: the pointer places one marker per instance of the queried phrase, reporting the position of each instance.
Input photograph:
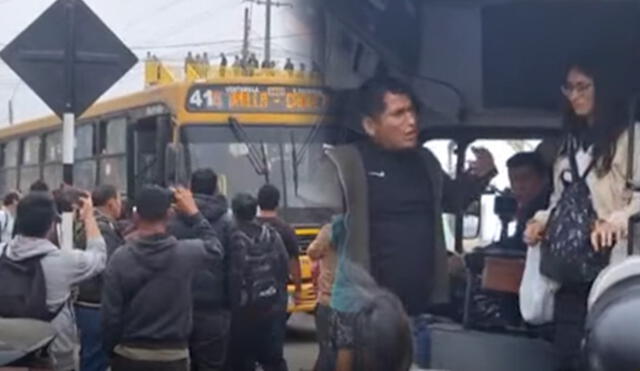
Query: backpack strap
(575, 172)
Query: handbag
(537, 291)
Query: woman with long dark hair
(594, 152)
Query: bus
(251, 128)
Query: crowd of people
(183, 284)
(186, 284)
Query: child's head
(382, 336)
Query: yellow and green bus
(251, 128)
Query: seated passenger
(529, 178)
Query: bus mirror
(471, 221)
(175, 165)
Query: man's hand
(86, 209)
(483, 164)
(605, 235)
(534, 232)
(185, 202)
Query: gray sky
(159, 26)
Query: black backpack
(567, 255)
(260, 289)
(23, 291)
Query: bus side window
(85, 167)
(113, 163)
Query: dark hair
(610, 107)
(245, 207)
(382, 336)
(153, 203)
(204, 181)
(371, 95)
(103, 193)
(532, 160)
(66, 197)
(10, 198)
(39, 186)
(35, 215)
(268, 197)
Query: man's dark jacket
(147, 301)
(90, 290)
(348, 174)
(210, 286)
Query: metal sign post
(68, 46)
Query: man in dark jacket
(108, 207)
(211, 308)
(147, 300)
(395, 191)
(529, 177)
(259, 266)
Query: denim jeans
(421, 335)
(92, 354)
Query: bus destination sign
(256, 99)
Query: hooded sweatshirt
(210, 285)
(62, 269)
(147, 301)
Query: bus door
(148, 139)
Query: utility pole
(245, 39)
(10, 111)
(267, 32)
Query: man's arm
(92, 261)
(458, 194)
(290, 241)
(318, 248)
(111, 307)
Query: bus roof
(240, 97)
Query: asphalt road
(301, 348)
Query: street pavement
(301, 348)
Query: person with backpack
(268, 202)
(585, 227)
(8, 216)
(37, 277)
(146, 296)
(108, 208)
(211, 308)
(259, 298)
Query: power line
(207, 43)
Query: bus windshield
(217, 147)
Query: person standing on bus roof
(395, 192)
(188, 62)
(223, 65)
(288, 66)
